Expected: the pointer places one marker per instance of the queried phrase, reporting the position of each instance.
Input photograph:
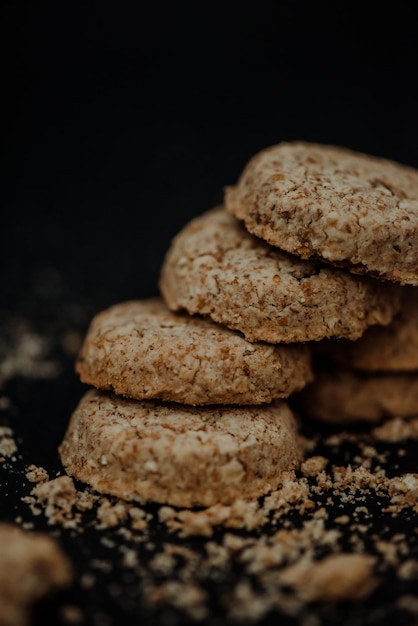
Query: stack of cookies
(190, 398)
(182, 411)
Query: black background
(125, 120)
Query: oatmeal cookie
(215, 268)
(347, 208)
(342, 395)
(391, 348)
(140, 349)
(177, 454)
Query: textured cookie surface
(140, 349)
(343, 396)
(348, 208)
(178, 454)
(382, 348)
(214, 267)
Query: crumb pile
(315, 541)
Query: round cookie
(214, 267)
(177, 454)
(343, 396)
(140, 349)
(348, 208)
(382, 348)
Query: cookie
(177, 454)
(215, 268)
(343, 396)
(382, 348)
(140, 349)
(32, 566)
(348, 208)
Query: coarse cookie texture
(382, 348)
(348, 208)
(178, 454)
(342, 396)
(214, 267)
(140, 349)
(32, 566)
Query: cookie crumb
(36, 474)
(23, 557)
(336, 578)
(396, 429)
(71, 614)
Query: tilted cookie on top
(344, 207)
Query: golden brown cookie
(214, 267)
(32, 566)
(343, 396)
(140, 349)
(382, 348)
(178, 454)
(348, 208)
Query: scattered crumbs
(126, 533)
(240, 514)
(313, 465)
(335, 578)
(107, 543)
(102, 565)
(129, 557)
(259, 558)
(36, 474)
(408, 569)
(71, 614)
(5, 403)
(396, 429)
(71, 341)
(32, 566)
(88, 580)
(26, 354)
(110, 513)
(139, 518)
(187, 596)
(408, 603)
(162, 563)
(8, 446)
(292, 494)
(58, 498)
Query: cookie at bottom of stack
(342, 395)
(177, 454)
